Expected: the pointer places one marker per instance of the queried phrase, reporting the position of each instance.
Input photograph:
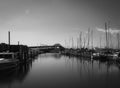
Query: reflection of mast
(10, 85)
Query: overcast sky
(35, 22)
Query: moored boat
(8, 63)
(106, 56)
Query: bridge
(44, 49)
(25, 53)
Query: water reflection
(15, 74)
(58, 71)
(52, 55)
(74, 72)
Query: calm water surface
(57, 71)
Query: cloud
(111, 30)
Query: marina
(13, 55)
(59, 43)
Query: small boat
(8, 63)
(95, 55)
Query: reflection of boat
(8, 63)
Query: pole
(18, 43)
(106, 34)
(80, 39)
(88, 36)
(9, 38)
(100, 41)
(118, 39)
(72, 43)
(8, 41)
(92, 38)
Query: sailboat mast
(100, 41)
(92, 39)
(88, 36)
(118, 40)
(72, 43)
(9, 38)
(106, 34)
(84, 41)
(8, 41)
(80, 39)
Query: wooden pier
(19, 52)
(24, 53)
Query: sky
(39, 22)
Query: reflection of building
(57, 56)
(9, 76)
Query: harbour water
(53, 70)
